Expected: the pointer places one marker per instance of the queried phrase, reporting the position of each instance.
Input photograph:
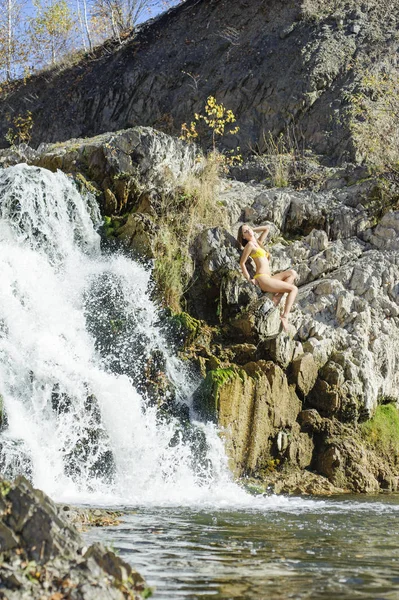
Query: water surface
(288, 548)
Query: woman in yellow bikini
(277, 284)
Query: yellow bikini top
(260, 253)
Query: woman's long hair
(240, 238)
(242, 241)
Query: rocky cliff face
(273, 63)
(340, 358)
(321, 398)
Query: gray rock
(117, 90)
(34, 540)
(280, 349)
(386, 235)
(8, 539)
(305, 372)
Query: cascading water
(77, 332)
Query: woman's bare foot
(276, 299)
(284, 322)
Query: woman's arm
(264, 230)
(244, 257)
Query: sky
(37, 58)
(158, 7)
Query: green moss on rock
(5, 487)
(187, 325)
(382, 431)
(191, 333)
(86, 185)
(206, 398)
(111, 225)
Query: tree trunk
(115, 28)
(81, 24)
(87, 25)
(9, 40)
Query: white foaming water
(75, 424)
(77, 329)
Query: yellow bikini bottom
(261, 275)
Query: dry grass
(183, 214)
(375, 120)
(316, 10)
(282, 158)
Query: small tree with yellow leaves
(21, 130)
(219, 122)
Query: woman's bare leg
(287, 308)
(278, 286)
(288, 276)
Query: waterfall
(78, 330)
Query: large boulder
(386, 235)
(44, 556)
(122, 166)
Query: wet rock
(3, 415)
(8, 539)
(34, 518)
(302, 482)
(300, 450)
(125, 164)
(138, 233)
(113, 565)
(42, 554)
(311, 421)
(60, 401)
(251, 404)
(242, 354)
(346, 465)
(157, 388)
(15, 458)
(217, 284)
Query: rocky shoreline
(43, 555)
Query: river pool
(281, 548)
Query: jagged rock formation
(273, 63)
(347, 312)
(287, 402)
(43, 556)
(342, 353)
